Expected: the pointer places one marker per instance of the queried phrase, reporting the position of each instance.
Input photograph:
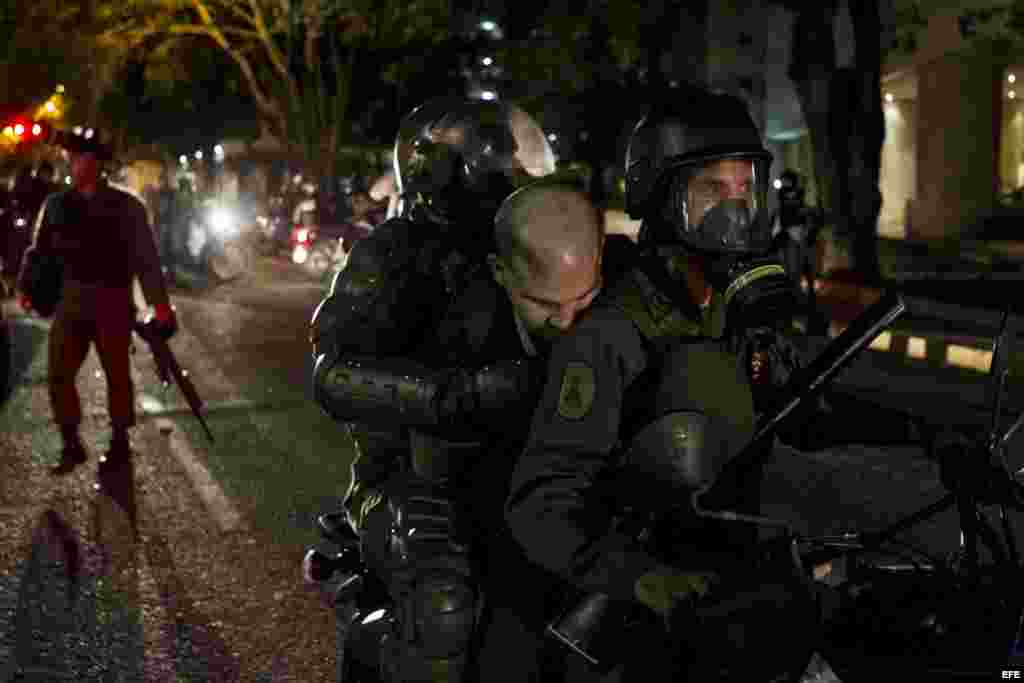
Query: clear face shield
(721, 206)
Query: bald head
(542, 229)
(549, 240)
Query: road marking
(216, 501)
(955, 355)
(882, 342)
(967, 357)
(917, 348)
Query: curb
(931, 333)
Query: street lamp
(488, 95)
(183, 160)
(487, 61)
(88, 133)
(488, 25)
(199, 154)
(60, 88)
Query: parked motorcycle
(874, 606)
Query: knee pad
(443, 607)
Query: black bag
(44, 280)
(43, 270)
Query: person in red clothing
(103, 239)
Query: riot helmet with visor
(459, 158)
(697, 174)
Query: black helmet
(459, 158)
(675, 144)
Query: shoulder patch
(576, 395)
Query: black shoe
(118, 453)
(71, 457)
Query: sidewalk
(129, 576)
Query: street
(185, 565)
(209, 587)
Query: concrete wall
(898, 179)
(1011, 152)
(957, 113)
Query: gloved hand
(663, 588)
(358, 505)
(165, 320)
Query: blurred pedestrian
(798, 227)
(102, 239)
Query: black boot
(72, 454)
(120, 448)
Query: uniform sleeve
(147, 259)
(370, 311)
(554, 508)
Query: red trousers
(90, 315)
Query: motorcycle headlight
(223, 221)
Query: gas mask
(726, 220)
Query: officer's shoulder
(636, 298)
(125, 195)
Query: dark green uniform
(634, 359)
(606, 381)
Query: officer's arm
(554, 509)
(452, 403)
(147, 264)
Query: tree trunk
(868, 135)
(681, 32)
(812, 63)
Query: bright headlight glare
(222, 220)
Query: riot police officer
(662, 383)
(419, 331)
